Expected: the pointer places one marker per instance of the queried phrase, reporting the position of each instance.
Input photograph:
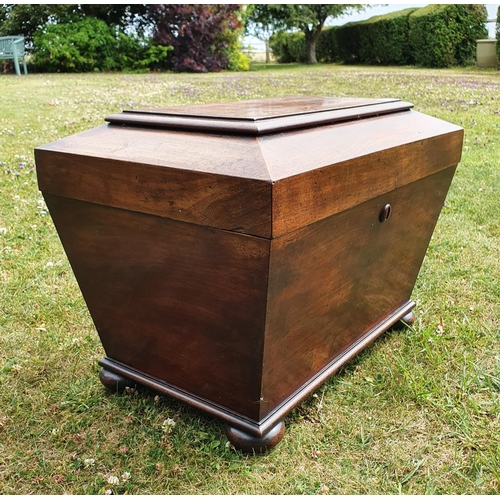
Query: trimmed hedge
(384, 39)
(445, 35)
(348, 42)
(327, 48)
(434, 36)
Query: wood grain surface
(322, 171)
(181, 302)
(265, 186)
(335, 279)
(253, 124)
(156, 174)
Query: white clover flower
(168, 425)
(113, 480)
(3, 230)
(54, 431)
(88, 462)
(49, 264)
(324, 489)
(108, 492)
(126, 476)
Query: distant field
(258, 56)
(416, 413)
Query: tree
(263, 20)
(308, 18)
(201, 35)
(25, 19)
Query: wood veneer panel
(335, 279)
(322, 171)
(196, 196)
(180, 302)
(246, 120)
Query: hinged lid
(260, 116)
(240, 177)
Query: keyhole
(385, 213)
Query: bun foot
(114, 382)
(406, 320)
(248, 443)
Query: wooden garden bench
(12, 47)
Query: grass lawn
(418, 412)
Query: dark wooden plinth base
(248, 443)
(406, 320)
(245, 434)
(114, 382)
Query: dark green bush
(135, 54)
(91, 45)
(288, 47)
(445, 35)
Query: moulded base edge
(259, 428)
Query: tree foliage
(307, 18)
(204, 37)
(92, 45)
(263, 20)
(433, 36)
(26, 19)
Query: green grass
(418, 412)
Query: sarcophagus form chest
(235, 255)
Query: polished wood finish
(175, 175)
(354, 162)
(262, 427)
(270, 109)
(182, 302)
(265, 186)
(262, 116)
(113, 381)
(237, 270)
(340, 276)
(250, 443)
